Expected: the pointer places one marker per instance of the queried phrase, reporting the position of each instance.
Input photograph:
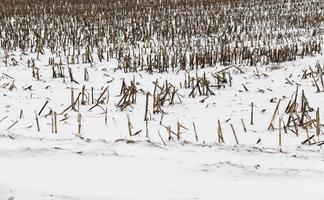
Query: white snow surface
(105, 163)
(74, 169)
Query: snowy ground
(68, 133)
(106, 163)
(75, 169)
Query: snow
(90, 158)
(75, 169)
(104, 162)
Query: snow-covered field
(74, 169)
(97, 132)
(105, 162)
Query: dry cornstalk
(220, 133)
(129, 124)
(270, 127)
(318, 128)
(21, 114)
(251, 118)
(243, 124)
(195, 131)
(233, 130)
(12, 125)
(280, 135)
(37, 122)
(106, 116)
(146, 130)
(79, 123)
(161, 137)
(41, 110)
(146, 106)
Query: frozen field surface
(161, 99)
(76, 169)
(104, 162)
